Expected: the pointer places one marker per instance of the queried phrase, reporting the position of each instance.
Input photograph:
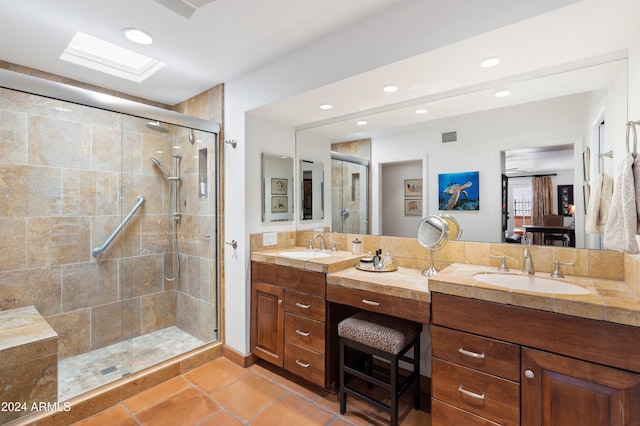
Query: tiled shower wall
(68, 174)
(348, 193)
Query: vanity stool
(388, 338)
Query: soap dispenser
(377, 260)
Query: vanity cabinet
(288, 319)
(552, 384)
(474, 378)
(501, 364)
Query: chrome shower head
(162, 166)
(192, 136)
(156, 126)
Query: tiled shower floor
(81, 373)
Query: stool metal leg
(394, 392)
(343, 394)
(416, 367)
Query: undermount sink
(530, 283)
(305, 254)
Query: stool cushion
(389, 334)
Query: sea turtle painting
(455, 190)
(455, 194)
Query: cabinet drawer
(445, 414)
(304, 332)
(305, 304)
(487, 396)
(304, 363)
(484, 354)
(399, 307)
(291, 278)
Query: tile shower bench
(28, 363)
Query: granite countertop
(408, 283)
(336, 261)
(608, 300)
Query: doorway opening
(520, 166)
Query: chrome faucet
(323, 246)
(528, 263)
(557, 273)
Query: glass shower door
(350, 197)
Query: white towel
(599, 204)
(622, 224)
(636, 178)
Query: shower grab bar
(98, 250)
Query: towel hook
(608, 154)
(632, 125)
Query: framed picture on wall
(279, 186)
(586, 193)
(412, 207)
(565, 199)
(459, 191)
(279, 204)
(586, 164)
(413, 188)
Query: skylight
(103, 56)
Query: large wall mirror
(277, 188)
(552, 119)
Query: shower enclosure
(349, 194)
(70, 174)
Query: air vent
(450, 137)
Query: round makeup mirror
(433, 234)
(455, 231)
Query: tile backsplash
(408, 252)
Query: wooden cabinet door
(267, 322)
(559, 391)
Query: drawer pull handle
(471, 354)
(471, 394)
(300, 305)
(370, 302)
(302, 364)
(303, 333)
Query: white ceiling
(219, 42)
(226, 39)
(574, 49)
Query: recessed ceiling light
(326, 106)
(99, 55)
(503, 93)
(390, 88)
(490, 62)
(422, 111)
(362, 122)
(137, 36)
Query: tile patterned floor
(223, 394)
(81, 373)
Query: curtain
(542, 202)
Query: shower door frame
(344, 158)
(76, 95)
